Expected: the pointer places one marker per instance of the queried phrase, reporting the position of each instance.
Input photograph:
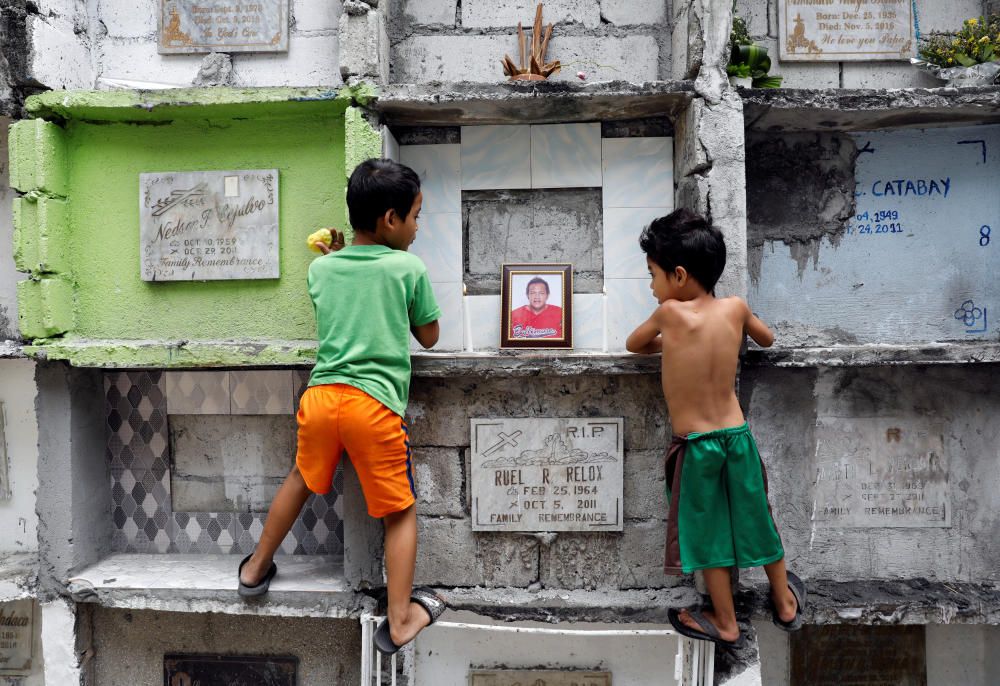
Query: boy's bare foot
(254, 571)
(402, 633)
(727, 632)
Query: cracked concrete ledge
(18, 576)
(860, 109)
(875, 355)
(468, 103)
(159, 354)
(504, 365)
(555, 605)
(11, 350)
(874, 602)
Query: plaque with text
(845, 655)
(845, 30)
(244, 670)
(884, 472)
(538, 677)
(547, 474)
(193, 26)
(212, 225)
(16, 637)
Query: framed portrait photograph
(536, 306)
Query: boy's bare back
(701, 341)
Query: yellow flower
(972, 22)
(950, 60)
(984, 39)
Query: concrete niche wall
(129, 645)
(934, 16)
(444, 40)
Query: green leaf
(739, 70)
(767, 82)
(965, 60)
(753, 55)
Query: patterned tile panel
(197, 392)
(138, 453)
(261, 392)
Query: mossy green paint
(361, 142)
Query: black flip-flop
(432, 603)
(708, 631)
(798, 589)
(258, 589)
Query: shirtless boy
(719, 515)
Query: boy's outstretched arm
(757, 330)
(427, 334)
(646, 338)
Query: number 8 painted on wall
(984, 236)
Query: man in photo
(537, 319)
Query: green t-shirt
(366, 298)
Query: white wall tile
(623, 259)
(197, 392)
(566, 155)
(638, 172)
(440, 171)
(630, 302)
(449, 299)
(495, 157)
(439, 245)
(588, 321)
(484, 321)
(260, 391)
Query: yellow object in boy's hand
(322, 236)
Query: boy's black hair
(540, 280)
(375, 187)
(685, 239)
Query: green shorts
(719, 515)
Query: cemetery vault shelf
(876, 355)
(306, 586)
(538, 102)
(837, 109)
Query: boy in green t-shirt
(368, 297)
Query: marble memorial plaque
(880, 472)
(538, 677)
(213, 225)
(192, 670)
(845, 655)
(16, 637)
(193, 26)
(845, 30)
(547, 474)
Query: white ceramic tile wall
(390, 146)
(439, 245)
(440, 172)
(484, 321)
(630, 302)
(623, 258)
(588, 321)
(566, 155)
(638, 172)
(449, 299)
(496, 157)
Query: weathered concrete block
(477, 58)
(491, 14)
(755, 14)
(59, 57)
(431, 12)
(632, 559)
(438, 476)
(38, 157)
(946, 17)
(364, 45)
(449, 554)
(534, 226)
(129, 19)
(801, 74)
(125, 58)
(45, 307)
(40, 239)
(310, 15)
(440, 409)
(886, 75)
(311, 61)
(631, 13)
(645, 485)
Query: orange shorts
(337, 417)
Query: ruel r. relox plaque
(547, 474)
